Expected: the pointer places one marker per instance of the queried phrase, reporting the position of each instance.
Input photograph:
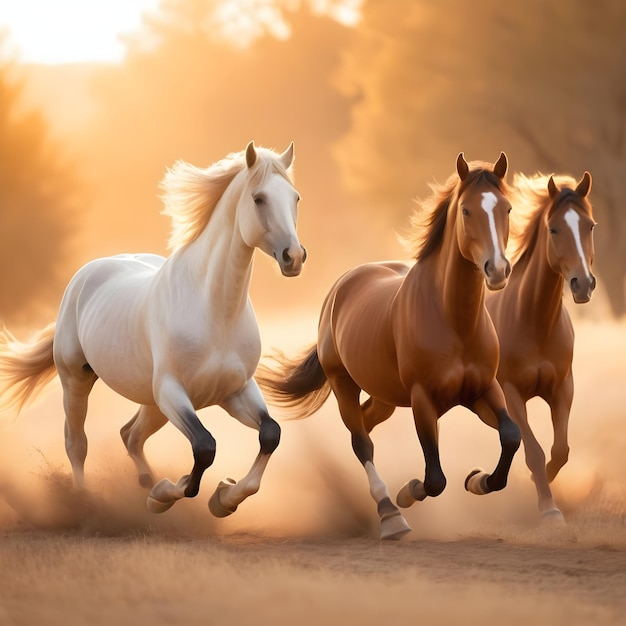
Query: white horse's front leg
(174, 403)
(249, 408)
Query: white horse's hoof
(156, 506)
(412, 492)
(476, 482)
(165, 493)
(215, 504)
(553, 517)
(393, 526)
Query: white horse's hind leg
(147, 421)
(76, 388)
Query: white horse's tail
(25, 368)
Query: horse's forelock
(190, 194)
(267, 163)
(532, 204)
(429, 219)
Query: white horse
(174, 334)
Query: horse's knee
(269, 435)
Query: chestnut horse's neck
(451, 278)
(538, 288)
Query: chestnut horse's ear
(502, 164)
(553, 190)
(286, 158)
(462, 167)
(250, 154)
(584, 186)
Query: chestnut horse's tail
(299, 384)
(25, 368)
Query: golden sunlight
(70, 31)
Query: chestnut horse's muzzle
(582, 288)
(496, 274)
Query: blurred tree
(36, 208)
(544, 81)
(186, 91)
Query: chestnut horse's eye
(465, 212)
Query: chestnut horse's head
(570, 226)
(483, 218)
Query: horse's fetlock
(269, 435)
(435, 486)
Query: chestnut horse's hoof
(215, 504)
(476, 482)
(553, 517)
(412, 492)
(393, 526)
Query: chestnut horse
(417, 336)
(553, 246)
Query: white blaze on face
(573, 221)
(488, 204)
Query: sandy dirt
(304, 550)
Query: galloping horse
(174, 334)
(553, 245)
(416, 336)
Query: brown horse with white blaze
(553, 246)
(417, 336)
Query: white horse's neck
(217, 265)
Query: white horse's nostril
(288, 260)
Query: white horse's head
(268, 208)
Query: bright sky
(66, 31)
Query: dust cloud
(314, 486)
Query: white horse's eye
(258, 200)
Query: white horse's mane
(190, 193)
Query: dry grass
(304, 549)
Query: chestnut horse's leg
(560, 405)
(490, 405)
(535, 457)
(375, 412)
(426, 424)
(392, 523)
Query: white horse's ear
(584, 186)
(502, 164)
(462, 167)
(286, 158)
(553, 190)
(250, 154)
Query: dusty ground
(304, 550)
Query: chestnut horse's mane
(428, 221)
(531, 201)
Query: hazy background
(379, 98)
